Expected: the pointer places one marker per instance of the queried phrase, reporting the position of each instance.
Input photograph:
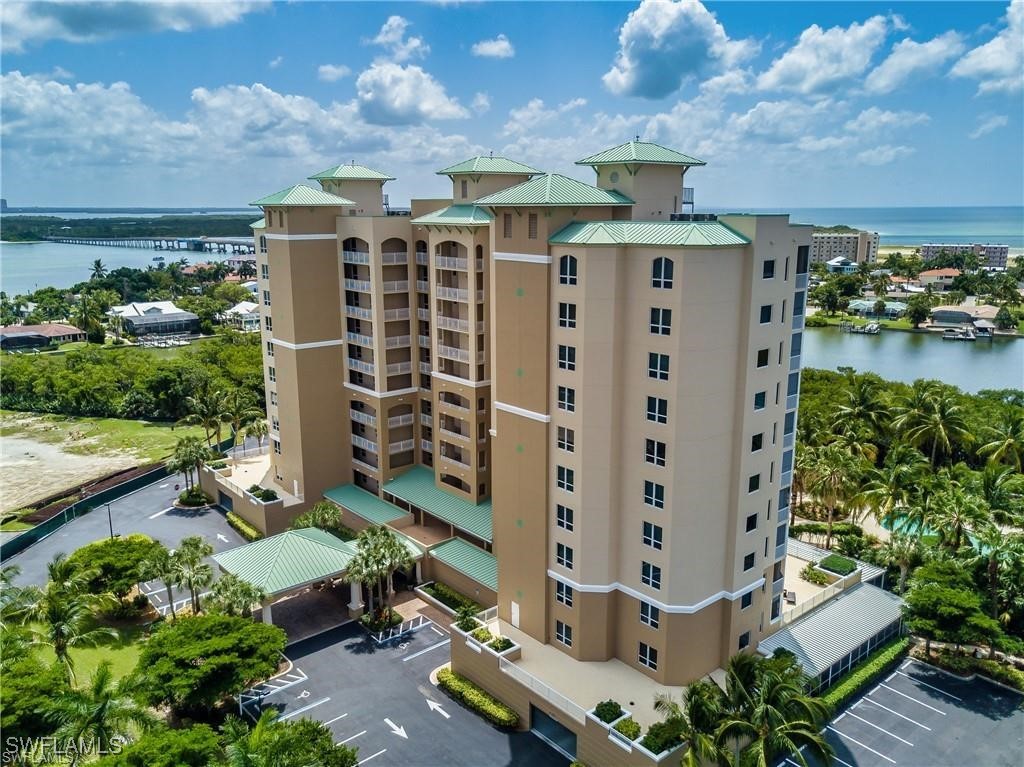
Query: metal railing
(455, 434)
(358, 311)
(453, 459)
(359, 338)
(819, 599)
(362, 367)
(452, 353)
(427, 420)
(548, 693)
(423, 314)
(355, 257)
(424, 342)
(396, 314)
(451, 294)
(364, 465)
(426, 368)
(448, 262)
(401, 420)
(401, 446)
(422, 257)
(394, 342)
(422, 286)
(426, 445)
(364, 443)
(361, 417)
(450, 323)
(396, 286)
(395, 257)
(453, 406)
(398, 368)
(361, 285)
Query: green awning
(416, 486)
(364, 504)
(288, 560)
(469, 560)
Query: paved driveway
(380, 699)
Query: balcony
(456, 460)
(399, 368)
(422, 257)
(447, 262)
(798, 322)
(791, 401)
(451, 294)
(794, 363)
(396, 257)
(358, 338)
(363, 286)
(355, 257)
(426, 420)
(396, 314)
(396, 286)
(426, 446)
(361, 417)
(401, 447)
(426, 368)
(424, 342)
(358, 311)
(362, 367)
(364, 443)
(362, 465)
(455, 435)
(452, 353)
(453, 406)
(422, 286)
(396, 342)
(401, 420)
(448, 323)
(788, 440)
(423, 314)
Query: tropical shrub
(968, 664)
(475, 698)
(482, 635)
(500, 644)
(628, 727)
(449, 597)
(608, 711)
(814, 321)
(115, 563)
(195, 746)
(837, 564)
(466, 619)
(661, 736)
(247, 531)
(811, 575)
(263, 493)
(194, 496)
(865, 673)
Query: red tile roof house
(940, 278)
(29, 336)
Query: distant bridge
(198, 244)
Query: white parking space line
(426, 649)
(351, 737)
(889, 678)
(834, 757)
(332, 721)
(372, 756)
(868, 748)
(790, 761)
(157, 597)
(882, 729)
(298, 711)
(437, 631)
(907, 664)
(161, 513)
(930, 686)
(918, 702)
(897, 713)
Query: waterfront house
(863, 307)
(963, 315)
(154, 317)
(244, 315)
(940, 279)
(34, 336)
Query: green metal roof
(554, 189)
(302, 195)
(261, 224)
(364, 504)
(641, 152)
(288, 560)
(666, 233)
(489, 165)
(469, 560)
(351, 172)
(416, 486)
(457, 215)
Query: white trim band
(381, 394)
(526, 258)
(685, 609)
(457, 380)
(523, 412)
(307, 345)
(301, 237)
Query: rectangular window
(563, 517)
(273, 398)
(766, 314)
(654, 494)
(759, 400)
(270, 348)
(265, 271)
(790, 423)
(650, 615)
(657, 366)
(532, 224)
(648, 656)
(566, 479)
(797, 346)
(563, 593)
(464, 188)
(661, 321)
(566, 439)
(768, 269)
(566, 315)
(652, 535)
(654, 452)
(785, 269)
(751, 523)
(744, 639)
(275, 424)
(268, 324)
(563, 633)
(748, 562)
(780, 535)
(266, 298)
(567, 399)
(746, 600)
(756, 442)
(566, 357)
(272, 374)
(507, 226)
(563, 555)
(650, 575)
(793, 383)
(802, 256)
(277, 446)
(753, 483)
(798, 303)
(762, 358)
(657, 409)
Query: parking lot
(919, 716)
(379, 698)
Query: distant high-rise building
(858, 247)
(3, 203)
(989, 256)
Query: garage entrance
(556, 735)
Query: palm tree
(87, 313)
(238, 412)
(902, 551)
(64, 620)
(206, 409)
(251, 747)
(930, 416)
(834, 481)
(232, 595)
(192, 571)
(1006, 440)
(957, 514)
(189, 456)
(99, 270)
(247, 269)
(995, 551)
(258, 430)
(393, 555)
(698, 718)
(864, 404)
(880, 285)
(365, 568)
(101, 714)
(161, 566)
(891, 487)
(1003, 490)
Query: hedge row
(246, 530)
(876, 664)
(839, 529)
(449, 597)
(477, 699)
(986, 667)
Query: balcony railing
(453, 406)
(479, 264)
(424, 342)
(355, 257)
(398, 368)
(451, 294)
(361, 417)
(454, 434)
(358, 338)
(447, 262)
(396, 314)
(363, 286)
(426, 420)
(396, 342)
(449, 323)
(401, 447)
(396, 286)
(363, 465)
(426, 368)
(426, 446)
(423, 314)
(452, 353)
(401, 420)
(422, 257)
(395, 257)
(532, 683)
(422, 286)
(455, 459)
(362, 367)
(364, 443)
(358, 311)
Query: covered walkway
(415, 490)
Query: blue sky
(791, 104)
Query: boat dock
(871, 329)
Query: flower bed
(449, 597)
(877, 663)
(986, 667)
(838, 565)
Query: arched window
(661, 273)
(567, 274)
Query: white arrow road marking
(161, 513)
(437, 707)
(396, 730)
(221, 537)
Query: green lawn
(901, 324)
(122, 653)
(14, 526)
(149, 442)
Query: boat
(158, 258)
(959, 334)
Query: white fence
(531, 682)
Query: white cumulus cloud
(275, 62)
(498, 48)
(663, 43)
(875, 120)
(80, 22)
(402, 48)
(909, 58)
(989, 124)
(998, 65)
(534, 114)
(825, 57)
(884, 154)
(392, 94)
(331, 73)
(481, 103)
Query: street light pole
(110, 522)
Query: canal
(901, 356)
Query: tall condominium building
(580, 401)
(989, 256)
(858, 247)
